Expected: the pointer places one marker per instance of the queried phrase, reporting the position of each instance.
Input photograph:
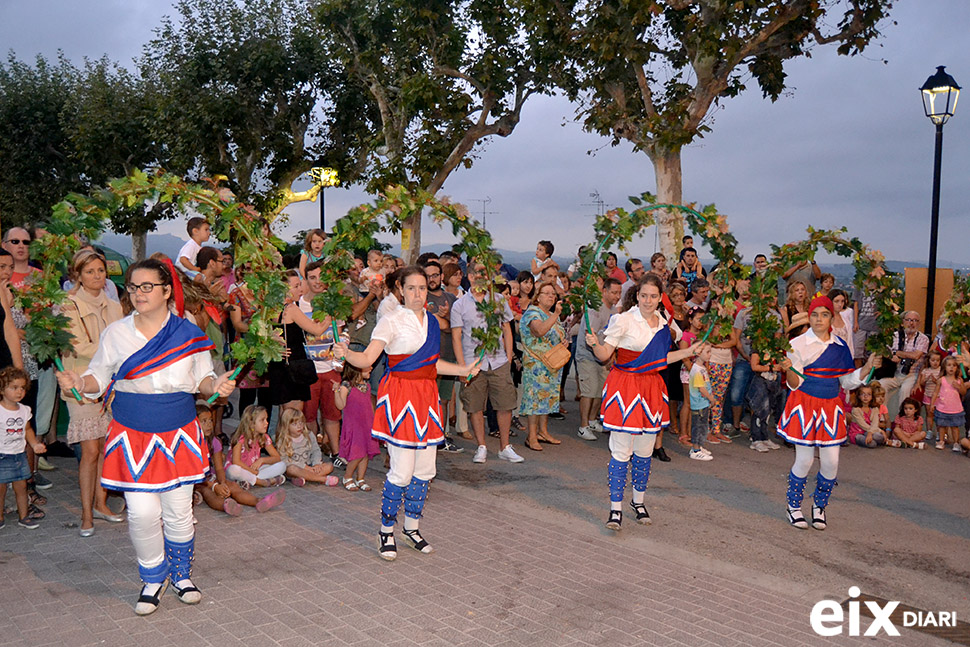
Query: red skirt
(408, 413)
(138, 461)
(811, 421)
(635, 403)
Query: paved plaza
(521, 558)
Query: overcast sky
(847, 145)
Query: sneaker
(41, 482)
(28, 523)
(745, 427)
(339, 463)
(956, 447)
(556, 415)
(770, 444)
(451, 447)
(705, 450)
(920, 445)
(759, 446)
(940, 445)
(44, 464)
(596, 426)
(730, 431)
(586, 433)
(508, 454)
(481, 454)
(698, 455)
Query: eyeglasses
(916, 319)
(144, 288)
(431, 275)
(18, 241)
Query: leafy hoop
(617, 227)
(871, 277)
(388, 212)
(80, 217)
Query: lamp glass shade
(940, 94)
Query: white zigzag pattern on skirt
(137, 467)
(408, 409)
(655, 418)
(818, 420)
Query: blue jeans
(740, 379)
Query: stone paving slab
(503, 573)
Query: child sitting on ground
(216, 491)
(300, 451)
(700, 406)
(13, 446)
(357, 446)
(908, 426)
(879, 404)
(947, 404)
(245, 464)
(864, 429)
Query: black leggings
(250, 396)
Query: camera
(906, 365)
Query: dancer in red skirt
(635, 404)
(154, 363)
(408, 416)
(813, 415)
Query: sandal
(417, 541)
(351, 485)
(386, 546)
(35, 498)
(188, 594)
(362, 486)
(797, 519)
(35, 513)
(615, 520)
(643, 517)
(549, 440)
(494, 433)
(537, 448)
(684, 440)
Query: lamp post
(940, 94)
(323, 176)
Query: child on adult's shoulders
(199, 232)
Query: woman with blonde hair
(90, 311)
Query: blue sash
(153, 413)
(176, 340)
(652, 358)
(822, 375)
(425, 356)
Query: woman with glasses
(154, 363)
(90, 311)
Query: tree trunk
(670, 224)
(413, 224)
(139, 243)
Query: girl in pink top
(908, 426)
(947, 405)
(245, 464)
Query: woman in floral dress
(540, 330)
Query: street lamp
(940, 94)
(323, 176)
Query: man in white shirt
(494, 382)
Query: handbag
(302, 372)
(554, 358)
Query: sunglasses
(18, 241)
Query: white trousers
(623, 446)
(407, 463)
(154, 516)
(237, 473)
(828, 461)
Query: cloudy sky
(848, 145)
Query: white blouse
(388, 305)
(807, 347)
(120, 340)
(631, 331)
(401, 331)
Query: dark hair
(912, 401)
(392, 280)
(609, 282)
(449, 270)
(630, 262)
(686, 237)
(11, 373)
(835, 292)
(425, 258)
(431, 263)
(160, 268)
(315, 265)
(526, 276)
(699, 283)
(549, 247)
(447, 254)
(4, 252)
(351, 374)
(193, 224)
(685, 250)
(611, 255)
(757, 256)
(630, 299)
(207, 255)
(404, 272)
(655, 256)
(291, 274)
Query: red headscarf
(176, 288)
(821, 302)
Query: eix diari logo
(828, 617)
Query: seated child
(216, 491)
(908, 426)
(864, 428)
(300, 451)
(245, 464)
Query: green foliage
(618, 227)
(85, 216)
(955, 327)
(388, 212)
(871, 278)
